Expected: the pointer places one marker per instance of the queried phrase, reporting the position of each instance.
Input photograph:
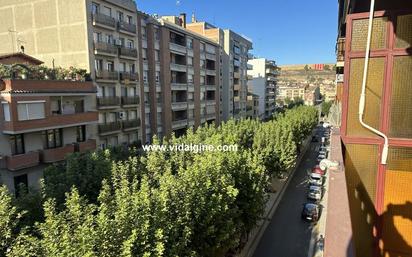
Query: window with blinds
(30, 110)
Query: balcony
(22, 161)
(88, 145)
(210, 116)
(64, 120)
(178, 67)
(112, 101)
(130, 100)
(210, 56)
(129, 28)
(179, 86)
(236, 75)
(128, 52)
(107, 75)
(131, 124)
(109, 127)
(128, 76)
(176, 124)
(340, 52)
(179, 105)
(177, 48)
(210, 72)
(100, 19)
(105, 48)
(236, 87)
(56, 154)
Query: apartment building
(42, 121)
(263, 82)
(180, 76)
(290, 91)
(378, 186)
(234, 57)
(97, 35)
(252, 109)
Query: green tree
(325, 108)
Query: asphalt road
(287, 235)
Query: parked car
(315, 179)
(315, 139)
(323, 152)
(315, 193)
(311, 212)
(318, 170)
(321, 157)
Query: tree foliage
(162, 203)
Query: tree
(8, 220)
(306, 68)
(326, 67)
(325, 107)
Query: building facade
(41, 122)
(234, 57)
(180, 76)
(380, 195)
(99, 36)
(263, 83)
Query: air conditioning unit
(118, 42)
(122, 115)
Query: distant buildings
(263, 82)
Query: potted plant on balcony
(5, 71)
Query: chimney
(182, 19)
(193, 18)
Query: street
(288, 235)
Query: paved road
(288, 235)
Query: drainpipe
(362, 100)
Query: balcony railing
(22, 161)
(178, 67)
(128, 124)
(108, 101)
(107, 75)
(131, 52)
(340, 49)
(131, 76)
(179, 123)
(130, 100)
(104, 47)
(179, 105)
(109, 127)
(125, 26)
(177, 47)
(88, 145)
(103, 19)
(56, 154)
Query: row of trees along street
(121, 203)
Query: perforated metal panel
(401, 99)
(404, 31)
(397, 217)
(374, 87)
(360, 30)
(361, 166)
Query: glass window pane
(22, 112)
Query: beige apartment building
(264, 75)
(290, 91)
(234, 57)
(180, 76)
(41, 121)
(97, 35)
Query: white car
(315, 179)
(322, 152)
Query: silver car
(315, 179)
(315, 193)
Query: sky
(287, 31)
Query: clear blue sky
(289, 31)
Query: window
(190, 61)
(121, 41)
(202, 47)
(120, 16)
(98, 64)
(17, 144)
(157, 55)
(97, 36)
(30, 110)
(202, 80)
(144, 32)
(132, 115)
(190, 78)
(145, 76)
(52, 138)
(130, 43)
(110, 66)
(132, 68)
(129, 19)
(157, 76)
(6, 111)
(110, 91)
(144, 54)
(190, 43)
(157, 34)
(202, 64)
(109, 39)
(81, 133)
(95, 8)
(124, 91)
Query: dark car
(311, 212)
(315, 139)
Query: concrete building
(377, 196)
(99, 36)
(312, 95)
(180, 76)
(234, 58)
(263, 83)
(252, 106)
(290, 91)
(42, 121)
